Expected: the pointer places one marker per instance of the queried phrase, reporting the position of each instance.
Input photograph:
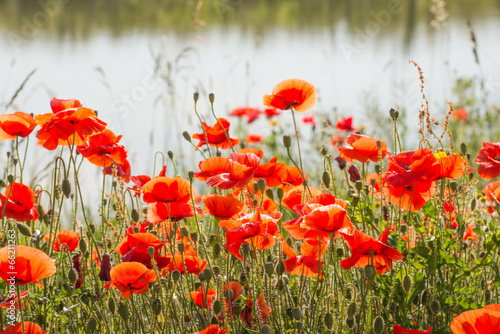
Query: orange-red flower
(251, 112)
(14, 300)
(203, 297)
(130, 277)
(363, 149)
(216, 135)
(18, 202)
(400, 330)
(103, 148)
(460, 114)
(29, 328)
(29, 266)
(446, 166)
(17, 124)
(469, 232)
(254, 138)
(135, 249)
(67, 240)
(275, 173)
(270, 112)
(235, 171)
(166, 190)
(71, 125)
(488, 160)
(292, 93)
(309, 119)
(260, 228)
(264, 310)
(63, 104)
(222, 207)
(366, 250)
(410, 198)
(191, 264)
(328, 219)
(213, 329)
(345, 124)
(408, 167)
(482, 321)
(307, 263)
(141, 180)
(293, 195)
(159, 211)
(294, 176)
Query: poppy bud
(23, 229)
(359, 185)
(351, 310)
(266, 330)
(237, 308)
(340, 251)
(211, 97)
(341, 162)
(391, 113)
(229, 294)
(424, 297)
(136, 229)
(191, 175)
(170, 154)
(407, 283)
(111, 305)
(261, 184)
(123, 311)
(176, 275)
(39, 209)
(328, 320)
(85, 299)
(471, 175)
(91, 325)
(2, 183)
(201, 277)
(299, 325)
(269, 193)
(72, 275)
(10, 178)
(196, 95)
(379, 144)
(355, 200)
(396, 114)
(186, 136)
(296, 313)
(217, 307)
(453, 185)
(354, 173)
(135, 215)
(269, 269)
(217, 249)
(180, 247)
(208, 274)
(156, 306)
(66, 287)
(287, 141)
(279, 192)
(280, 268)
(473, 204)
(369, 271)
(194, 236)
(349, 322)
(463, 148)
(378, 325)
(435, 306)
(326, 179)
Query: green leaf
(429, 210)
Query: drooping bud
(135, 215)
(217, 306)
(279, 192)
(407, 283)
(196, 95)
(266, 329)
(217, 249)
(435, 306)
(23, 229)
(176, 275)
(378, 325)
(269, 193)
(91, 325)
(186, 136)
(351, 310)
(326, 179)
(66, 188)
(463, 148)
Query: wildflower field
(381, 236)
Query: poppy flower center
(407, 167)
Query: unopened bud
(111, 305)
(186, 136)
(191, 175)
(266, 329)
(351, 310)
(280, 268)
(194, 236)
(135, 215)
(369, 271)
(296, 313)
(378, 325)
(279, 192)
(10, 178)
(328, 320)
(407, 283)
(287, 141)
(326, 179)
(180, 247)
(229, 294)
(23, 229)
(123, 311)
(217, 306)
(453, 185)
(463, 148)
(176, 275)
(217, 249)
(435, 306)
(269, 193)
(269, 269)
(72, 275)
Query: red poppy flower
(294, 176)
(411, 198)
(63, 104)
(275, 173)
(250, 112)
(293, 195)
(488, 160)
(202, 297)
(460, 114)
(130, 277)
(307, 263)
(159, 211)
(400, 330)
(213, 329)
(235, 171)
(17, 124)
(292, 93)
(141, 180)
(482, 321)
(270, 112)
(408, 167)
(363, 149)
(237, 291)
(29, 328)
(259, 228)
(67, 240)
(31, 265)
(376, 177)
(72, 125)
(345, 124)
(103, 148)
(222, 207)
(446, 166)
(216, 136)
(365, 249)
(309, 119)
(469, 232)
(14, 300)
(254, 138)
(191, 264)
(264, 310)
(135, 249)
(20, 203)
(166, 190)
(330, 219)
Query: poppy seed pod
(280, 268)
(237, 308)
(194, 236)
(176, 275)
(191, 175)
(299, 325)
(211, 97)
(378, 325)
(85, 299)
(196, 95)
(10, 178)
(296, 313)
(111, 305)
(180, 247)
(123, 311)
(217, 249)
(328, 320)
(355, 200)
(261, 184)
(201, 276)
(287, 141)
(359, 185)
(186, 317)
(23, 229)
(229, 294)
(391, 113)
(208, 274)
(370, 271)
(217, 307)
(269, 193)
(216, 270)
(170, 154)
(266, 329)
